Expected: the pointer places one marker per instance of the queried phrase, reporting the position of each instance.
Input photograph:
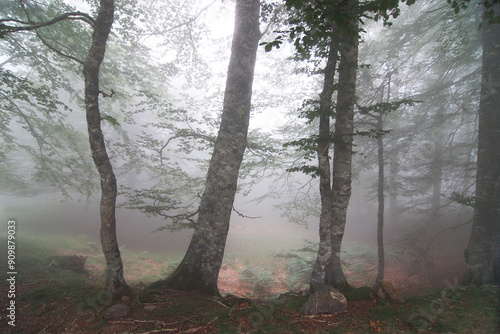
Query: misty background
(167, 83)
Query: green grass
(460, 309)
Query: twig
(138, 321)
(181, 321)
(160, 331)
(193, 330)
(50, 264)
(243, 216)
(222, 304)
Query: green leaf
(110, 119)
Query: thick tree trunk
(325, 188)
(114, 283)
(483, 252)
(199, 270)
(343, 151)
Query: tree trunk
(482, 254)
(114, 282)
(381, 206)
(343, 150)
(325, 188)
(199, 270)
(393, 188)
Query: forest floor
(259, 296)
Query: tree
(324, 143)
(431, 147)
(199, 269)
(342, 154)
(312, 31)
(37, 135)
(115, 283)
(483, 253)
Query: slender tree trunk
(343, 151)
(381, 206)
(199, 270)
(115, 282)
(437, 171)
(325, 222)
(483, 252)
(393, 188)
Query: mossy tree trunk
(199, 269)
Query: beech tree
(483, 253)
(199, 269)
(115, 283)
(324, 29)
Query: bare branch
(244, 216)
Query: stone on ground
(390, 292)
(325, 299)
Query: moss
(148, 295)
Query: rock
(361, 293)
(74, 263)
(150, 307)
(125, 299)
(390, 292)
(117, 311)
(325, 299)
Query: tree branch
(27, 26)
(56, 50)
(186, 23)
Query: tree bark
(381, 206)
(482, 254)
(342, 156)
(199, 269)
(324, 142)
(114, 282)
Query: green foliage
(299, 264)
(34, 126)
(384, 108)
(372, 133)
(312, 23)
(489, 13)
(462, 199)
(260, 278)
(110, 119)
(311, 170)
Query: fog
(167, 87)
(263, 233)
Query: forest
(246, 166)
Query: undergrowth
(456, 309)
